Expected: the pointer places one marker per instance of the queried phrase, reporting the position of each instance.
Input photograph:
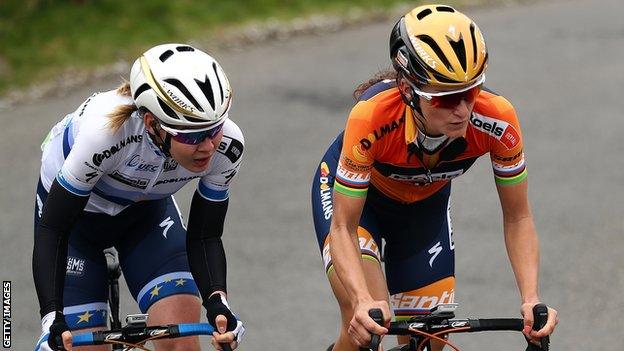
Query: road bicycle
(441, 321)
(136, 333)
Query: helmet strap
(163, 145)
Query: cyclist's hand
(60, 337)
(230, 329)
(549, 327)
(362, 325)
(223, 337)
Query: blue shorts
(419, 256)
(151, 242)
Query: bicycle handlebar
(443, 322)
(137, 334)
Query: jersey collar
(411, 129)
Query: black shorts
(151, 241)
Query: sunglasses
(190, 136)
(450, 99)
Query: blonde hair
(122, 112)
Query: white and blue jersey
(122, 167)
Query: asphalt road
(561, 63)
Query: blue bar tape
(195, 329)
(82, 339)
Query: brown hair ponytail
(387, 74)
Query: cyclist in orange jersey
(388, 176)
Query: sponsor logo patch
(101, 156)
(175, 180)
(422, 179)
(408, 301)
(351, 176)
(501, 130)
(325, 191)
(75, 266)
(140, 183)
(381, 132)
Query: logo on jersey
(175, 180)
(380, 133)
(353, 165)
(92, 167)
(166, 224)
(101, 156)
(138, 164)
(350, 176)
(75, 266)
(140, 183)
(229, 175)
(422, 179)
(507, 159)
(231, 148)
(89, 176)
(501, 130)
(325, 190)
(170, 165)
(434, 251)
(420, 302)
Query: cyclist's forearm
(58, 216)
(523, 251)
(347, 262)
(204, 247)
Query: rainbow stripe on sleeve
(510, 175)
(351, 183)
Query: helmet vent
(434, 46)
(167, 109)
(184, 48)
(460, 51)
(206, 88)
(140, 90)
(445, 9)
(473, 37)
(424, 13)
(214, 67)
(443, 79)
(193, 119)
(165, 55)
(176, 83)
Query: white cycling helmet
(181, 85)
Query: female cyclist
(108, 173)
(388, 175)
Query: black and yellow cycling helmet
(438, 46)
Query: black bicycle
(441, 321)
(136, 333)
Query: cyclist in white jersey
(108, 173)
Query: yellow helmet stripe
(151, 81)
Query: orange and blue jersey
(380, 132)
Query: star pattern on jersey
(84, 317)
(180, 282)
(155, 291)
